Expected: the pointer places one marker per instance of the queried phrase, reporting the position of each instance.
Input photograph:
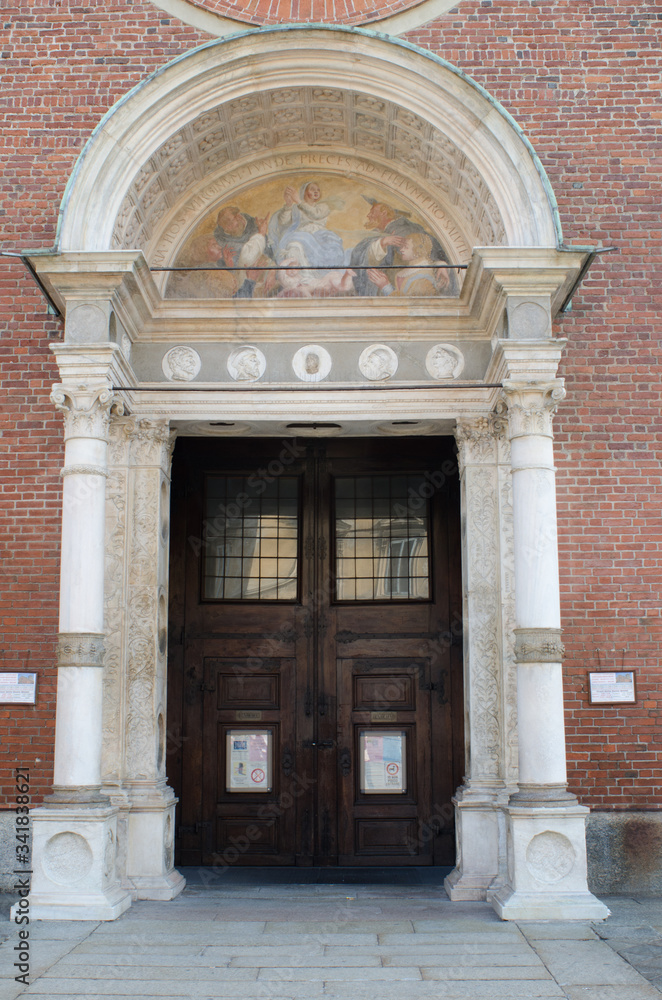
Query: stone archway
(185, 141)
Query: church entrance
(315, 676)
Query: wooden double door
(315, 678)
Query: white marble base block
(150, 872)
(547, 867)
(477, 839)
(75, 850)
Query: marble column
(489, 670)
(75, 831)
(546, 836)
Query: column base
(478, 819)
(150, 819)
(164, 887)
(107, 905)
(546, 866)
(512, 905)
(74, 863)
(461, 887)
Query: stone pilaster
(488, 659)
(546, 841)
(151, 803)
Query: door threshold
(199, 877)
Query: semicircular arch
(199, 124)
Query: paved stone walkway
(341, 942)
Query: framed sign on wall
(607, 687)
(18, 688)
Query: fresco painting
(310, 236)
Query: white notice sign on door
(383, 759)
(248, 760)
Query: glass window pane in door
(381, 531)
(250, 539)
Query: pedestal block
(547, 867)
(150, 871)
(74, 878)
(477, 846)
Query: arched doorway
(453, 336)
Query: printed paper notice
(383, 761)
(248, 761)
(609, 688)
(18, 689)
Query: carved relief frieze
(80, 649)
(141, 674)
(477, 452)
(508, 620)
(115, 598)
(539, 645)
(482, 625)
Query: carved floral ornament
(538, 645)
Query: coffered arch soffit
(329, 100)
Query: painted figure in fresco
(422, 276)
(297, 281)
(240, 241)
(386, 250)
(303, 221)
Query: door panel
(316, 600)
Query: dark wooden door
(315, 690)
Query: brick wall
(582, 79)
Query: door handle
(321, 744)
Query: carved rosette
(80, 649)
(86, 410)
(538, 645)
(531, 406)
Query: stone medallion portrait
(247, 364)
(311, 363)
(378, 362)
(444, 361)
(181, 364)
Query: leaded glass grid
(250, 538)
(382, 538)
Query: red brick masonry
(583, 81)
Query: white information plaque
(383, 756)
(609, 688)
(248, 760)
(18, 689)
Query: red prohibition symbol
(392, 768)
(257, 775)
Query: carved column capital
(86, 410)
(476, 439)
(152, 443)
(531, 406)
